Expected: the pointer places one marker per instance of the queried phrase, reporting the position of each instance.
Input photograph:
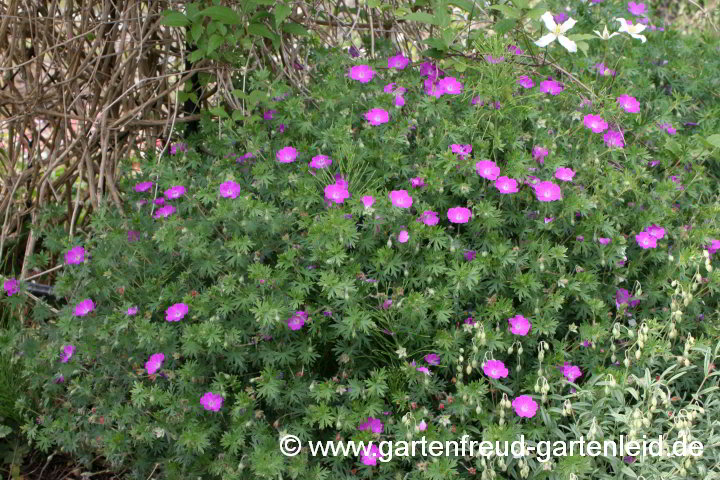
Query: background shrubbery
(640, 324)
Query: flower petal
(641, 37)
(569, 23)
(550, 24)
(545, 40)
(567, 43)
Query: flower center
(558, 30)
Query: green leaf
(508, 12)
(584, 47)
(282, 11)
(215, 41)
(535, 13)
(422, 17)
(505, 25)
(196, 55)
(222, 14)
(521, 3)
(714, 140)
(263, 31)
(295, 29)
(219, 111)
(466, 5)
(196, 31)
(581, 36)
(174, 19)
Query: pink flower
(604, 241)
(423, 370)
(432, 89)
(459, 214)
(229, 189)
(417, 182)
(422, 426)
(487, 169)
(398, 62)
(286, 155)
(403, 236)
(399, 101)
(525, 82)
(361, 73)
(514, 49)
(462, 150)
(551, 86)
(212, 401)
(75, 255)
(174, 192)
(450, 85)
(429, 218)
(548, 219)
(595, 123)
(506, 185)
(614, 138)
(368, 201)
(268, 115)
(656, 231)
(377, 116)
(564, 174)
(525, 406)
(297, 321)
(571, 372)
(628, 103)
(143, 186)
(519, 325)
(539, 153)
(636, 9)
(494, 60)
(389, 87)
(432, 359)
(400, 198)
(370, 455)
(131, 311)
(68, 351)
(373, 424)
(713, 247)
(164, 212)
(668, 128)
(645, 240)
(320, 161)
(154, 363)
(84, 307)
(495, 369)
(547, 192)
(176, 312)
(336, 193)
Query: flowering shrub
(502, 252)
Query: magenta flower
(506, 185)
(477, 101)
(668, 128)
(571, 372)
(370, 455)
(164, 212)
(154, 363)
(340, 180)
(133, 236)
(361, 73)
(519, 325)
(713, 247)
(636, 9)
(286, 155)
(399, 101)
(176, 312)
(548, 219)
(368, 201)
(645, 240)
(429, 218)
(68, 351)
(514, 49)
(560, 17)
(417, 182)
(462, 150)
(604, 241)
(525, 406)
(387, 304)
(628, 103)
(400, 198)
(622, 297)
(336, 193)
(75, 255)
(564, 174)
(212, 401)
(297, 321)
(551, 86)
(547, 192)
(174, 192)
(377, 116)
(131, 311)
(470, 255)
(450, 85)
(159, 201)
(539, 153)
(432, 359)
(656, 231)
(375, 425)
(422, 426)
(229, 189)
(424, 370)
(143, 186)
(389, 87)
(601, 69)
(320, 161)
(493, 60)
(403, 236)
(525, 82)
(459, 214)
(429, 70)
(11, 286)
(398, 62)
(487, 169)
(268, 115)
(595, 123)
(495, 369)
(84, 307)
(614, 138)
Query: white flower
(606, 35)
(632, 30)
(557, 32)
